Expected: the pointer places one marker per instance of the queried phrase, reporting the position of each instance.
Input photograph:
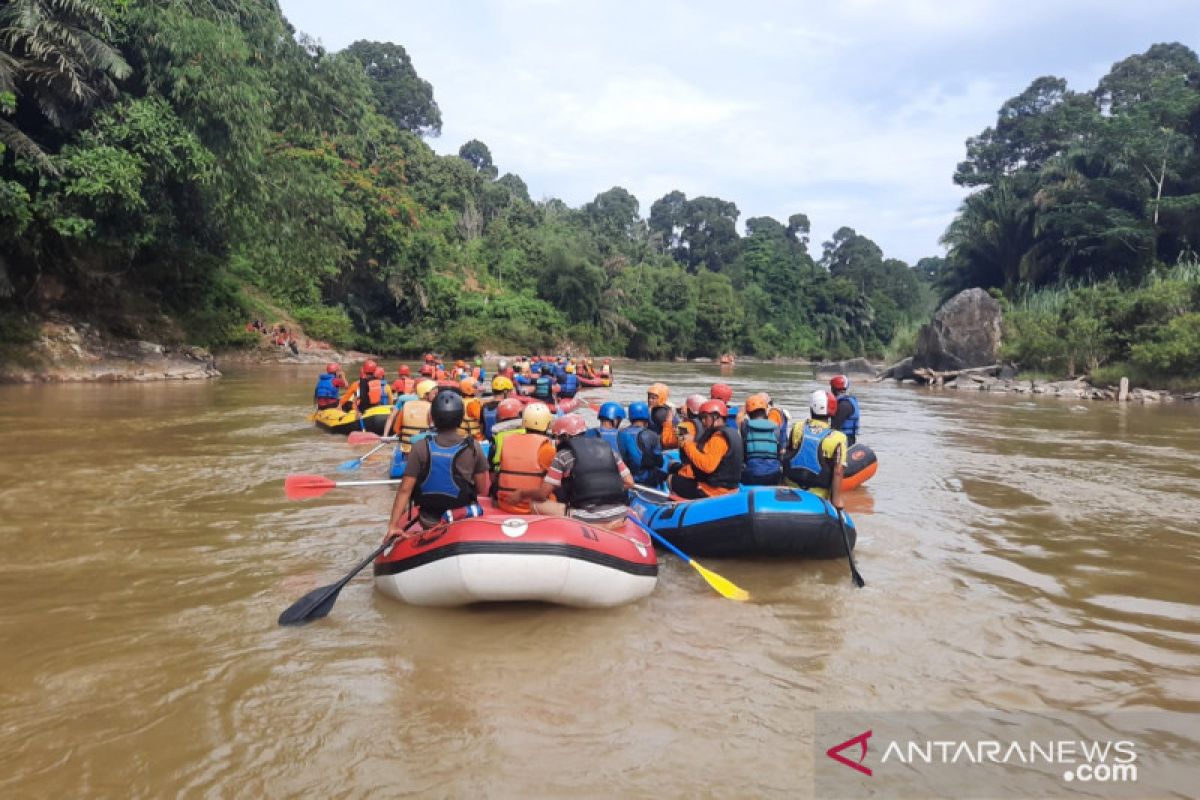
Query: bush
(330, 325)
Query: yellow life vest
(414, 420)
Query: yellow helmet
(424, 388)
(501, 384)
(570, 369)
(536, 417)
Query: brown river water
(1020, 553)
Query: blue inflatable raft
(757, 521)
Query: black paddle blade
(314, 605)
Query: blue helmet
(639, 410)
(611, 411)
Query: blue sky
(853, 112)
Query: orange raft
(502, 557)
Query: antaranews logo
(835, 752)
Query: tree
(477, 154)
(55, 64)
(401, 94)
(613, 217)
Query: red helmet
(839, 383)
(693, 403)
(368, 368)
(717, 407)
(721, 391)
(403, 370)
(428, 359)
(379, 373)
(427, 370)
(509, 409)
(332, 367)
(569, 425)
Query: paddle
(355, 463)
(854, 574)
(319, 602)
(365, 437)
(724, 586)
(303, 487)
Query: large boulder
(964, 333)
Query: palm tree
(55, 57)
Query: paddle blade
(724, 586)
(352, 464)
(362, 437)
(304, 487)
(314, 605)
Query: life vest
(641, 451)
(414, 420)
(850, 425)
(489, 419)
(519, 468)
(440, 487)
(594, 479)
(471, 425)
(371, 393)
(404, 386)
(543, 388)
(325, 388)
(807, 468)
(570, 386)
(728, 473)
(610, 435)
(761, 437)
(498, 437)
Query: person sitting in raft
(404, 383)
(568, 385)
(610, 416)
(366, 392)
(663, 418)
(606, 368)
(847, 416)
(640, 447)
(446, 471)
(472, 424)
(760, 435)
(508, 422)
(326, 394)
(691, 422)
(502, 388)
(713, 459)
(816, 453)
(544, 386)
(410, 415)
(381, 376)
(589, 479)
(524, 460)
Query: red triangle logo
(835, 752)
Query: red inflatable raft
(511, 557)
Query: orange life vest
(520, 468)
(471, 425)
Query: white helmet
(823, 403)
(502, 365)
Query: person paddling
(445, 472)
(326, 394)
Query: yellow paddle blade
(724, 586)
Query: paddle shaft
(854, 574)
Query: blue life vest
(641, 451)
(542, 389)
(569, 385)
(806, 467)
(482, 379)
(522, 379)
(325, 388)
(610, 435)
(761, 437)
(731, 413)
(489, 419)
(440, 488)
(850, 425)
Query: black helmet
(547, 369)
(447, 411)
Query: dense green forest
(167, 168)
(167, 156)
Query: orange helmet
(460, 363)
(467, 386)
(379, 373)
(509, 409)
(721, 391)
(660, 391)
(403, 370)
(757, 402)
(332, 368)
(715, 407)
(368, 368)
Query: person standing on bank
(846, 418)
(445, 471)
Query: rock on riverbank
(69, 351)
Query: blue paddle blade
(352, 464)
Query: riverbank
(1076, 389)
